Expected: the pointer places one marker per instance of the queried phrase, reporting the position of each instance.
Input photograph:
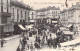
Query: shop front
(4, 22)
(68, 35)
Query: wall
(18, 18)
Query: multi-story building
(32, 16)
(49, 13)
(19, 13)
(53, 14)
(4, 15)
(12, 13)
(41, 13)
(64, 17)
(72, 16)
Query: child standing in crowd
(31, 47)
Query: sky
(37, 4)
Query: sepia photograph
(39, 25)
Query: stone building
(32, 16)
(13, 13)
(72, 17)
(4, 15)
(49, 13)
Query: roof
(48, 8)
(19, 4)
(74, 8)
(42, 10)
(33, 9)
(65, 10)
(53, 8)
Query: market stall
(72, 42)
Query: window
(25, 14)
(55, 11)
(17, 15)
(1, 1)
(7, 9)
(79, 26)
(52, 13)
(13, 13)
(2, 5)
(21, 14)
(4, 20)
(32, 15)
(79, 16)
(72, 14)
(7, 1)
(2, 8)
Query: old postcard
(39, 25)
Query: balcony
(5, 14)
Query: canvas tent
(72, 42)
(29, 26)
(68, 32)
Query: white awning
(21, 27)
(73, 42)
(69, 25)
(54, 21)
(68, 32)
(29, 26)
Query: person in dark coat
(36, 45)
(2, 43)
(39, 40)
(18, 49)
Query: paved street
(11, 45)
(24, 27)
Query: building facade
(13, 13)
(4, 15)
(53, 13)
(72, 16)
(64, 17)
(32, 16)
(49, 13)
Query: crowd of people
(42, 40)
